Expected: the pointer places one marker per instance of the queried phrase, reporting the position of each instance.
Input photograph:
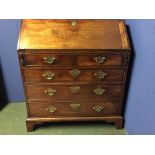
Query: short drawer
(34, 59)
(52, 75)
(55, 109)
(100, 59)
(81, 92)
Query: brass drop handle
(99, 91)
(99, 59)
(22, 61)
(21, 54)
(48, 75)
(51, 108)
(100, 75)
(49, 59)
(98, 108)
(75, 106)
(73, 23)
(50, 92)
(74, 73)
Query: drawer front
(31, 59)
(51, 75)
(100, 59)
(55, 109)
(82, 92)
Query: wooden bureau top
(73, 34)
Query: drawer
(55, 109)
(100, 59)
(40, 59)
(51, 75)
(71, 92)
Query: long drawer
(55, 109)
(61, 74)
(71, 92)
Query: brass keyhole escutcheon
(74, 89)
(75, 106)
(73, 23)
(74, 73)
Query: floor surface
(12, 122)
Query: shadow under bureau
(73, 70)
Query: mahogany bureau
(73, 70)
